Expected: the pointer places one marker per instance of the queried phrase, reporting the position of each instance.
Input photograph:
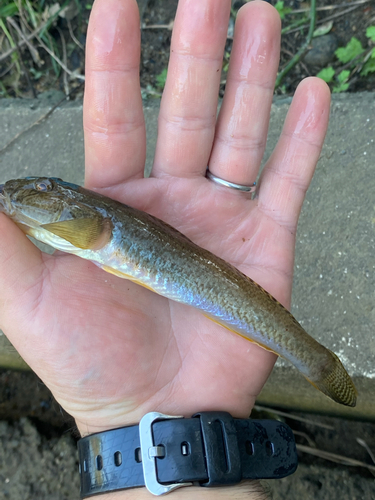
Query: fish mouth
(2, 197)
(3, 201)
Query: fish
(135, 245)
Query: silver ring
(239, 187)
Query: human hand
(109, 350)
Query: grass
(33, 48)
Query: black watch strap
(165, 452)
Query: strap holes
(137, 455)
(185, 448)
(270, 449)
(99, 462)
(118, 458)
(249, 446)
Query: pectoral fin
(86, 233)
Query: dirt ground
(37, 439)
(156, 42)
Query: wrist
(117, 420)
(105, 422)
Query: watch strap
(165, 452)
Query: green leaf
(36, 74)
(283, 11)
(352, 50)
(326, 74)
(11, 41)
(226, 60)
(369, 67)
(342, 79)
(343, 87)
(8, 10)
(32, 13)
(343, 76)
(279, 5)
(343, 84)
(161, 78)
(370, 33)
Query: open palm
(108, 349)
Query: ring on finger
(239, 187)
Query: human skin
(109, 350)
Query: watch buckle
(149, 453)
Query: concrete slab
(333, 292)
(334, 281)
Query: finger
(241, 131)
(20, 276)
(288, 172)
(115, 138)
(189, 105)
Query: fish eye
(43, 186)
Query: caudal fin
(336, 383)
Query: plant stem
(294, 26)
(303, 48)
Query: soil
(38, 439)
(157, 19)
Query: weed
(27, 29)
(352, 50)
(354, 59)
(281, 9)
(327, 74)
(226, 61)
(161, 78)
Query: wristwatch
(166, 452)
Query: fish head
(37, 200)
(50, 209)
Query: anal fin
(240, 334)
(127, 277)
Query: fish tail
(335, 382)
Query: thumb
(21, 273)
